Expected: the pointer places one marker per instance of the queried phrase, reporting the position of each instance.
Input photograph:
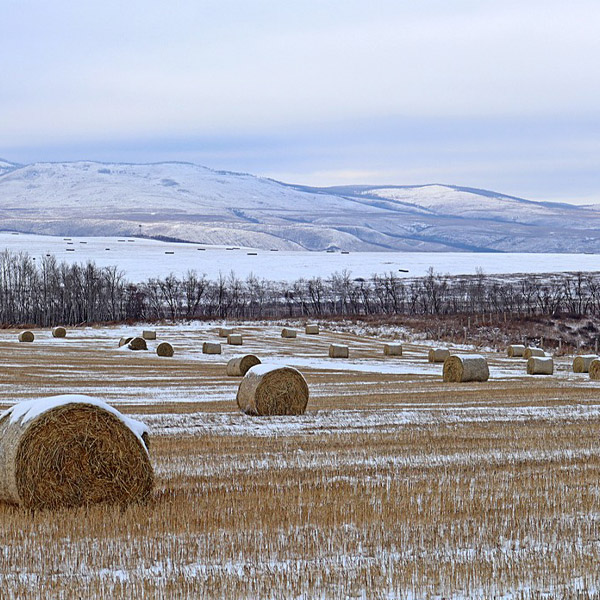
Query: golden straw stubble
(266, 391)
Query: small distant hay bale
(438, 355)
(460, 368)
(225, 332)
(515, 351)
(595, 369)
(532, 351)
(137, 343)
(288, 333)
(124, 341)
(149, 335)
(581, 364)
(211, 348)
(165, 349)
(26, 336)
(235, 339)
(70, 451)
(238, 367)
(271, 390)
(540, 365)
(338, 351)
(59, 332)
(312, 329)
(392, 349)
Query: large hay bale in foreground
(59, 332)
(540, 365)
(26, 336)
(124, 341)
(595, 369)
(165, 349)
(312, 329)
(149, 335)
(137, 343)
(460, 368)
(235, 339)
(392, 349)
(338, 351)
(515, 351)
(288, 333)
(72, 450)
(238, 367)
(532, 351)
(581, 364)
(211, 348)
(438, 355)
(225, 332)
(272, 390)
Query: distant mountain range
(182, 201)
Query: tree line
(47, 292)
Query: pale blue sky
(500, 95)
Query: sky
(497, 95)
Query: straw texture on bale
(59, 332)
(235, 339)
(595, 369)
(225, 332)
(288, 333)
(238, 367)
(149, 335)
(530, 351)
(26, 336)
(581, 364)
(273, 391)
(137, 343)
(211, 348)
(338, 351)
(515, 351)
(165, 349)
(438, 355)
(311, 329)
(72, 455)
(460, 368)
(392, 349)
(124, 341)
(540, 365)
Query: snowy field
(142, 258)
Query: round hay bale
(581, 364)
(515, 351)
(211, 348)
(288, 333)
(460, 368)
(165, 349)
(272, 390)
(124, 341)
(26, 336)
(338, 351)
(225, 332)
(438, 355)
(595, 369)
(235, 339)
(238, 367)
(392, 349)
(59, 332)
(149, 335)
(312, 329)
(540, 365)
(532, 351)
(137, 343)
(70, 451)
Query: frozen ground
(142, 258)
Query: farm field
(392, 485)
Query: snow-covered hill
(188, 202)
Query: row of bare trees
(47, 292)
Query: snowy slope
(183, 201)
